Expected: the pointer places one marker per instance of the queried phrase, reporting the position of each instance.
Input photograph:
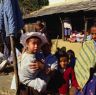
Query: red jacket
(60, 81)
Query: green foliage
(28, 6)
(43, 2)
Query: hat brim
(34, 34)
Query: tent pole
(15, 63)
(62, 25)
(62, 29)
(85, 29)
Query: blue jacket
(10, 17)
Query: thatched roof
(81, 6)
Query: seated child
(59, 83)
(28, 76)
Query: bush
(28, 6)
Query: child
(72, 58)
(85, 68)
(59, 83)
(50, 59)
(34, 78)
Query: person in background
(10, 23)
(85, 67)
(63, 48)
(88, 36)
(65, 34)
(72, 58)
(40, 27)
(80, 37)
(6, 50)
(69, 33)
(49, 59)
(59, 83)
(72, 37)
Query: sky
(55, 1)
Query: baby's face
(33, 45)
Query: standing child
(33, 77)
(50, 59)
(85, 68)
(60, 80)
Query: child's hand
(72, 91)
(41, 65)
(34, 66)
(79, 88)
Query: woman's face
(63, 62)
(93, 33)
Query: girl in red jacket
(59, 82)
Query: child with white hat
(29, 76)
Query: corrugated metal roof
(85, 6)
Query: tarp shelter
(71, 8)
(77, 12)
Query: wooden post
(15, 63)
(62, 25)
(57, 42)
(85, 29)
(62, 29)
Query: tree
(43, 2)
(28, 6)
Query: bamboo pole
(85, 29)
(15, 63)
(62, 25)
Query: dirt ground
(5, 80)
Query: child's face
(93, 33)
(63, 62)
(33, 45)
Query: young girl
(33, 77)
(59, 83)
(72, 58)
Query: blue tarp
(10, 17)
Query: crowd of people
(79, 37)
(56, 74)
(76, 36)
